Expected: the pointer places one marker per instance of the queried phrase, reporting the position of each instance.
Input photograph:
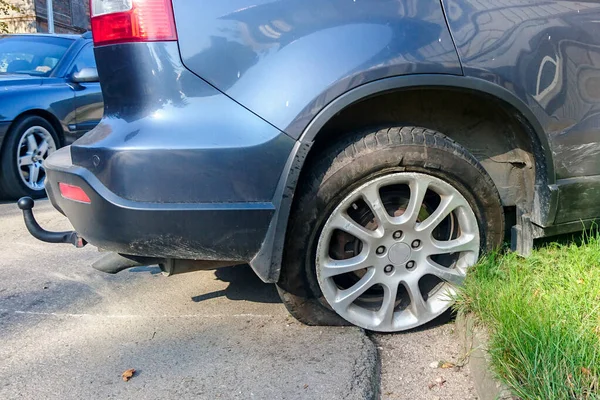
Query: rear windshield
(31, 55)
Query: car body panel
(47, 94)
(15, 81)
(285, 60)
(89, 105)
(547, 54)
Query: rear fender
(267, 263)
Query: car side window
(85, 59)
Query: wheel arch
(267, 262)
(48, 116)
(450, 82)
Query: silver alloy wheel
(35, 145)
(397, 252)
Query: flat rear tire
(384, 228)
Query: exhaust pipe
(112, 263)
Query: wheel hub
(399, 253)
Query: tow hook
(26, 205)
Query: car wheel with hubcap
(384, 229)
(383, 270)
(29, 142)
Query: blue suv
(362, 155)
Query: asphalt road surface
(68, 331)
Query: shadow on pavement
(243, 285)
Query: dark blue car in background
(361, 155)
(49, 96)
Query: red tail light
(121, 21)
(73, 192)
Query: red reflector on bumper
(74, 193)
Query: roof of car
(85, 35)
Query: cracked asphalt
(68, 332)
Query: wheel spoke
(450, 275)
(32, 145)
(43, 147)
(332, 267)
(418, 306)
(34, 172)
(373, 199)
(418, 188)
(347, 296)
(25, 160)
(446, 206)
(466, 242)
(388, 304)
(343, 222)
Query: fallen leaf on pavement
(447, 365)
(128, 374)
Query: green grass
(543, 317)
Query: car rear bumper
(175, 169)
(199, 231)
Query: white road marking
(133, 316)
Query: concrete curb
(474, 345)
(367, 372)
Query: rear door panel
(548, 54)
